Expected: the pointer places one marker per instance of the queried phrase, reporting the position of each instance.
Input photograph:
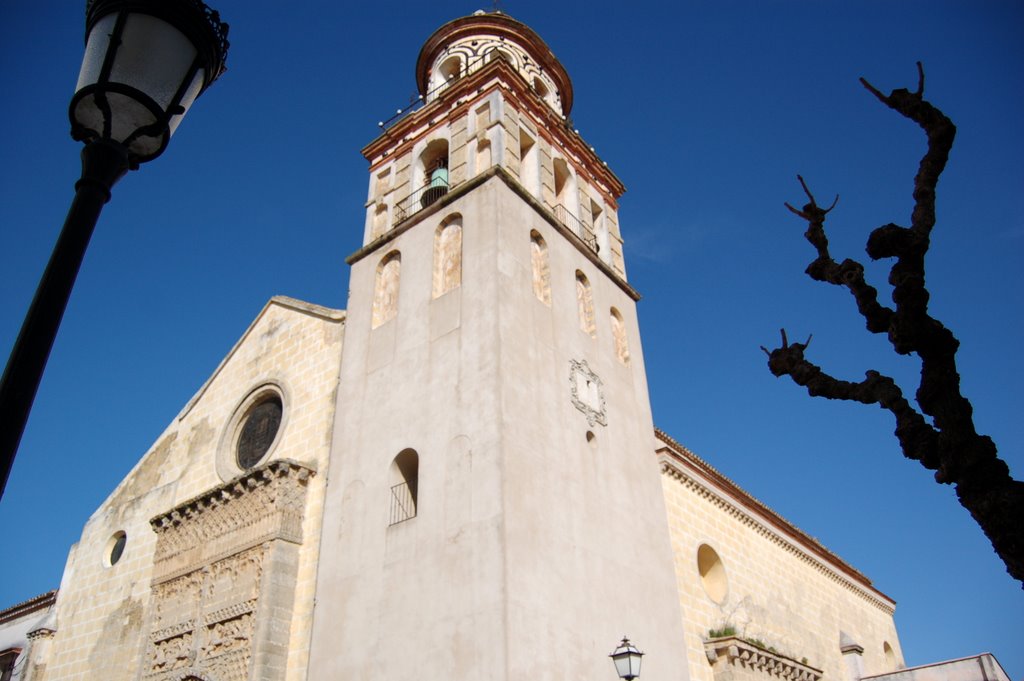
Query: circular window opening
(712, 573)
(114, 549)
(591, 438)
(259, 428)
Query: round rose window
(258, 431)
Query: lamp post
(627, 660)
(145, 63)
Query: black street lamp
(627, 660)
(145, 63)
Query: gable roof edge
(311, 309)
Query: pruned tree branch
(949, 443)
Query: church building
(459, 473)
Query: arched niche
(385, 290)
(541, 268)
(585, 304)
(447, 274)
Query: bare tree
(941, 435)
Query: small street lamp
(145, 63)
(627, 660)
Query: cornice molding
(28, 607)
(460, 190)
(761, 520)
(262, 505)
(463, 93)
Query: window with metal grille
(405, 471)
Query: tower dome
(465, 44)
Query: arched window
(448, 256)
(565, 189)
(449, 70)
(431, 173)
(585, 303)
(529, 166)
(498, 53)
(619, 337)
(562, 177)
(541, 269)
(385, 291)
(540, 88)
(405, 475)
(596, 216)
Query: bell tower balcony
(491, 93)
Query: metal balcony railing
(420, 199)
(417, 101)
(576, 226)
(403, 504)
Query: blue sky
(705, 110)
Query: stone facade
(144, 610)
(743, 571)
(482, 416)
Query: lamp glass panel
(190, 96)
(130, 117)
(621, 665)
(154, 57)
(88, 115)
(95, 51)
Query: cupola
(464, 45)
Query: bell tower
(494, 507)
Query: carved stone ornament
(208, 578)
(586, 390)
(730, 654)
(266, 503)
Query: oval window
(712, 573)
(114, 549)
